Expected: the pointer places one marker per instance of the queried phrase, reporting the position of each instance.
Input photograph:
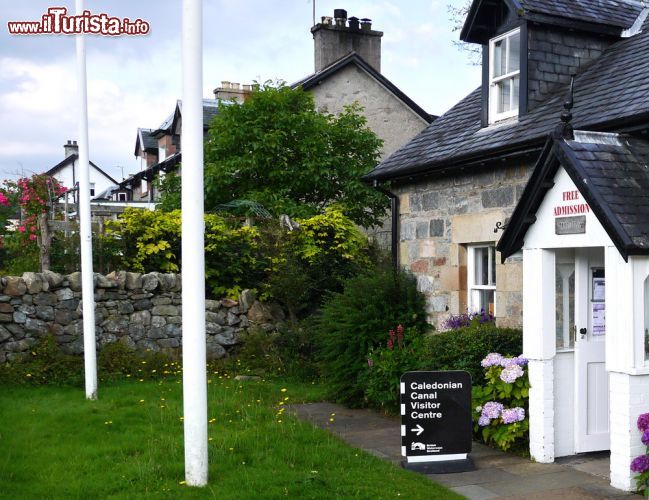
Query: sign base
(440, 467)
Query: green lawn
(128, 444)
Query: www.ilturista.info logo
(58, 22)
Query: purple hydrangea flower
(511, 415)
(484, 421)
(505, 362)
(492, 409)
(643, 422)
(645, 438)
(511, 373)
(640, 464)
(521, 360)
(492, 359)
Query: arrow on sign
(419, 429)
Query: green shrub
(44, 364)
(316, 259)
(355, 320)
(386, 364)
(288, 352)
(464, 348)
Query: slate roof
(611, 172)
(619, 13)
(145, 140)
(354, 59)
(608, 17)
(611, 92)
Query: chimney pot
(327, 20)
(341, 17)
(70, 148)
(353, 23)
(366, 24)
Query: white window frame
(92, 189)
(471, 268)
(122, 197)
(494, 116)
(144, 187)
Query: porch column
(539, 346)
(628, 370)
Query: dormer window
(504, 75)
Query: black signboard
(436, 420)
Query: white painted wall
(66, 177)
(564, 394)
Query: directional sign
(435, 416)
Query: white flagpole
(193, 254)
(87, 278)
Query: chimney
(229, 90)
(336, 37)
(71, 148)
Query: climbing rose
(492, 359)
(511, 415)
(643, 422)
(511, 373)
(3, 200)
(492, 409)
(22, 229)
(640, 464)
(32, 237)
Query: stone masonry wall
(440, 217)
(141, 310)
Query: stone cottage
(459, 180)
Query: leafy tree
(277, 150)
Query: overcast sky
(135, 81)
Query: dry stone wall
(143, 311)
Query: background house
(347, 60)
(67, 173)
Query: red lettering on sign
(582, 208)
(570, 195)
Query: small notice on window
(599, 319)
(599, 289)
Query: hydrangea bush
(640, 464)
(500, 415)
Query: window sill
(505, 122)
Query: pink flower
(22, 229)
(370, 362)
(33, 229)
(32, 237)
(390, 344)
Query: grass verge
(128, 444)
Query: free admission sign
(436, 420)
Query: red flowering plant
(640, 464)
(385, 365)
(32, 199)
